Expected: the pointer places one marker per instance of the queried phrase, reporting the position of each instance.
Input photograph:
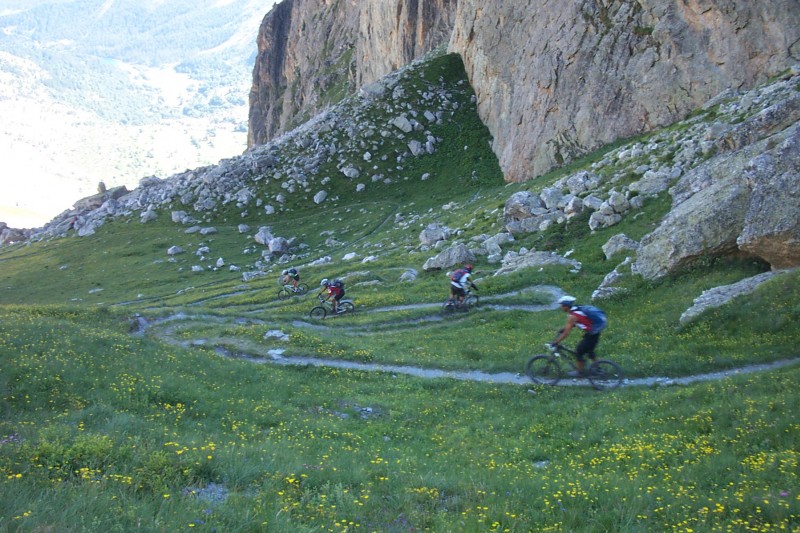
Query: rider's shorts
(587, 345)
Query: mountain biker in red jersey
(588, 318)
(335, 290)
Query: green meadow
(140, 395)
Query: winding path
(508, 378)
(258, 354)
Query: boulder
(454, 255)
(743, 202)
(514, 261)
(521, 205)
(607, 287)
(772, 222)
(618, 243)
(721, 295)
(264, 235)
(434, 233)
(319, 197)
(278, 246)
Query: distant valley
(95, 91)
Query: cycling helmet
(567, 300)
(285, 272)
(468, 267)
(323, 283)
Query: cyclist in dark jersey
(290, 275)
(591, 320)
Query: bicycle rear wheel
(302, 288)
(543, 370)
(347, 307)
(605, 375)
(318, 312)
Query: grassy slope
(104, 431)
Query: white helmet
(285, 272)
(323, 283)
(567, 300)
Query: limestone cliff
(311, 53)
(554, 79)
(558, 79)
(304, 53)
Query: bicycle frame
(556, 351)
(545, 369)
(325, 307)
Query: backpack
(597, 316)
(457, 275)
(339, 284)
(292, 272)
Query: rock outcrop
(733, 172)
(553, 83)
(721, 295)
(312, 53)
(745, 201)
(10, 235)
(563, 79)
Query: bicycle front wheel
(543, 370)
(605, 375)
(283, 294)
(470, 301)
(318, 312)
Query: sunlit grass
(101, 422)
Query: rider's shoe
(339, 311)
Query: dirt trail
(509, 378)
(168, 329)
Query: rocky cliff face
(393, 33)
(561, 79)
(304, 53)
(311, 53)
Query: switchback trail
(168, 329)
(236, 348)
(509, 378)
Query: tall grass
(102, 431)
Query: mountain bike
(545, 369)
(451, 305)
(325, 308)
(289, 290)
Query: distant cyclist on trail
(588, 318)
(459, 281)
(290, 276)
(335, 290)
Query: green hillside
(138, 392)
